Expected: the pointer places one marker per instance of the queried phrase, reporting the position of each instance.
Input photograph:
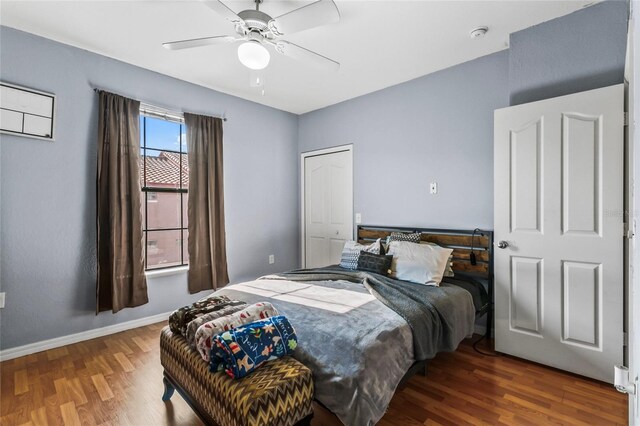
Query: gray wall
(435, 128)
(47, 215)
(581, 51)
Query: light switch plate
(2, 299)
(433, 188)
(272, 259)
(358, 218)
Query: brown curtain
(121, 279)
(207, 244)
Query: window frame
(150, 189)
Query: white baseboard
(57, 342)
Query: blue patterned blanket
(241, 350)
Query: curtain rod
(161, 112)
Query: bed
(362, 334)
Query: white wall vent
(26, 112)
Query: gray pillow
(378, 263)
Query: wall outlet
(433, 188)
(272, 259)
(2, 299)
(358, 218)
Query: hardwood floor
(117, 380)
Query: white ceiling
(378, 43)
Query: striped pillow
(351, 253)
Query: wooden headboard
(458, 240)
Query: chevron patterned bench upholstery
(280, 393)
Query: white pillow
(418, 263)
(448, 272)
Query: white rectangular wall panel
(526, 289)
(581, 287)
(338, 197)
(525, 148)
(37, 126)
(316, 179)
(11, 120)
(581, 183)
(315, 250)
(26, 112)
(335, 249)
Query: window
(164, 179)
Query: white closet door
(559, 230)
(328, 207)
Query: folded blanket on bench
(194, 325)
(240, 351)
(204, 334)
(180, 318)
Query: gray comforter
(357, 347)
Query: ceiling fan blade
(223, 10)
(197, 42)
(304, 55)
(312, 15)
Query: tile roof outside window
(164, 170)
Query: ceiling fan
(256, 29)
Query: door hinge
(625, 339)
(625, 118)
(627, 232)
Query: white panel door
(328, 207)
(559, 231)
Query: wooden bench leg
(306, 421)
(168, 389)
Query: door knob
(337, 232)
(503, 244)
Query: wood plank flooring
(117, 380)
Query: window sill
(166, 272)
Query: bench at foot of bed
(278, 393)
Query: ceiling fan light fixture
(253, 55)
